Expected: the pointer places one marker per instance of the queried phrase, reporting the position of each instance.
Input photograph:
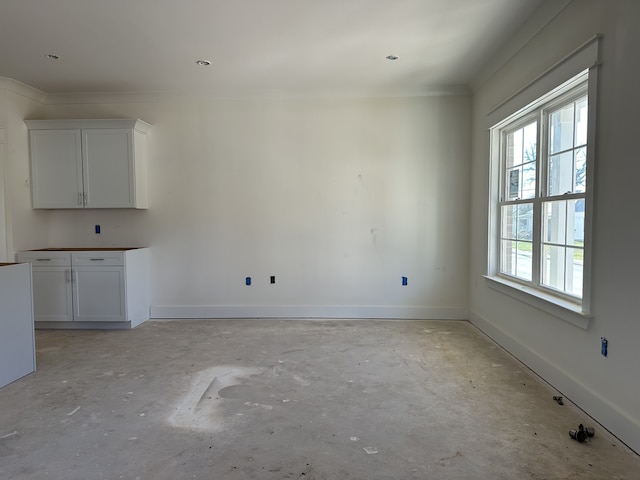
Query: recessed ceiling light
(52, 56)
(203, 63)
(391, 57)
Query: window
(541, 196)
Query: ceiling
(256, 47)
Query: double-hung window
(541, 195)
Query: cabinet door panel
(16, 327)
(108, 168)
(99, 294)
(56, 168)
(52, 301)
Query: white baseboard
(619, 423)
(308, 311)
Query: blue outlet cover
(604, 346)
(247, 281)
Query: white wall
(339, 199)
(22, 227)
(567, 356)
(3, 160)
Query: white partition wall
(17, 340)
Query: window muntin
(543, 162)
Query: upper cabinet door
(95, 163)
(108, 163)
(56, 168)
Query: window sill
(562, 309)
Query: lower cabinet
(99, 294)
(79, 288)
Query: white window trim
(578, 314)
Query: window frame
(563, 305)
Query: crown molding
(22, 89)
(157, 97)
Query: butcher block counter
(89, 288)
(17, 339)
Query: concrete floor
(285, 399)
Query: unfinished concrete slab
(292, 399)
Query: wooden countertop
(84, 249)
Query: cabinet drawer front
(46, 259)
(97, 258)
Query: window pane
(521, 145)
(517, 221)
(571, 224)
(509, 217)
(581, 121)
(516, 259)
(553, 267)
(509, 153)
(554, 222)
(513, 183)
(576, 207)
(524, 260)
(560, 174)
(574, 268)
(525, 221)
(508, 257)
(528, 184)
(580, 184)
(563, 222)
(561, 129)
(529, 141)
(517, 147)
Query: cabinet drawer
(97, 258)
(46, 258)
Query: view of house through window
(543, 188)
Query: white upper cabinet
(88, 163)
(56, 168)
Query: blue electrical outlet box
(97, 229)
(404, 281)
(247, 281)
(604, 346)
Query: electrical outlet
(97, 229)
(247, 281)
(272, 280)
(604, 346)
(405, 281)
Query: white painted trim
(308, 311)
(556, 306)
(90, 123)
(585, 56)
(84, 325)
(610, 416)
(22, 89)
(200, 96)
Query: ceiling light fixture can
(203, 63)
(391, 57)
